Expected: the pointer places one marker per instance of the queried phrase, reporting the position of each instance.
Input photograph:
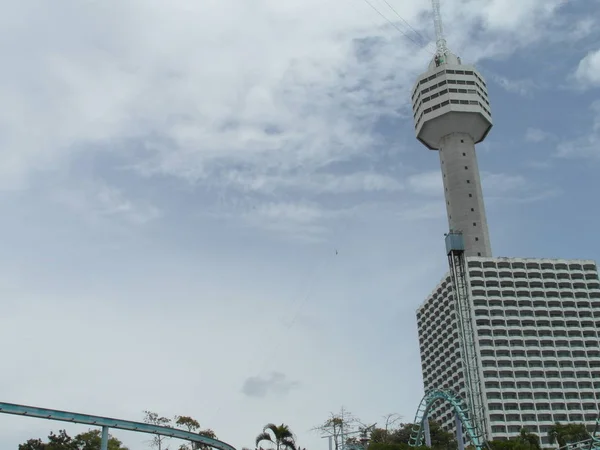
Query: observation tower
(452, 113)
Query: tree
(192, 425)
(441, 439)
(512, 444)
(187, 422)
(567, 434)
(90, 440)
(207, 433)
(33, 444)
(154, 419)
(398, 437)
(338, 425)
(280, 436)
(531, 440)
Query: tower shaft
(464, 196)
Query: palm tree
(530, 439)
(567, 434)
(280, 435)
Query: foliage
(512, 444)
(154, 419)
(90, 440)
(390, 446)
(280, 435)
(190, 424)
(187, 422)
(398, 437)
(337, 425)
(530, 440)
(567, 433)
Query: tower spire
(440, 40)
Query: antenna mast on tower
(440, 40)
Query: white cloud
(536, 135)
(584, 27)
(500, 183)
(588, 70)
(524, 87)
(312, 182)
(203, 86)
(587, 145)
(98, 201)
(280, 113)
(427, 183)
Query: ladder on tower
(455, 249)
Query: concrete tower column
(462, 190)
(452, 113)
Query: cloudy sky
(176, 177)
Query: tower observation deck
(452, 113)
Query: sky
(219, 208)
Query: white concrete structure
(452, 113)
(538, 338)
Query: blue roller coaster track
(421, 417)
(105, 423)
(595, 445)
(460, 410)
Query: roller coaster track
(416, 438)
(106, 423)
(595, 444)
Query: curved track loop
(416, 438)
(596, 436)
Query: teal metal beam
(106, 423)
(460, 410)
(104, 441)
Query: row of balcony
(558, 406)
(545, 265)
(552, 313)
(548, 418)
(533, 374)
(524, 323)
(530, 343)
(443, 74)
(549, 365)
(568, 304)
(526, 396)
(542, 275)
(544, 354)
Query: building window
(466, 168)
(464, 154)
(478, 254)
(470, 195)
(472, 209)
(476, 239)
(474, 224)
(468, 181)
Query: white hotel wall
(538, 324)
